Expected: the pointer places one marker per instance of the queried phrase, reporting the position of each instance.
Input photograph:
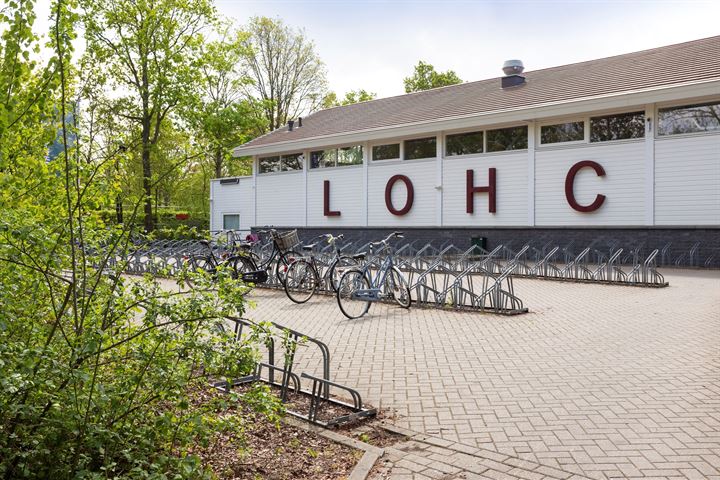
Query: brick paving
(598, 381)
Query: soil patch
(266, 451)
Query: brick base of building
(680, 240)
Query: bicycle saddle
(309, 247)
(245, 245)
(359, 256)
(205, 242)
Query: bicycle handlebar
(386, 240)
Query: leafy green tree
(353, 96)
(97, 370)
(223, 117)
(27, 90)
(425, 77)
(287, 74)
(148, 51)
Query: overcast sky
(374, 44)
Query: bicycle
(303, 276)
(282, 244)
(359, 287)
(210, 263)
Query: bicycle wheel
(301, 281)
(199, 264)
(240, 265)
(338, 268)
(397, 287)
(283, 262)
(350, 282)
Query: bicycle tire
(301, 281)
(240, 265)
(398, 287)
(345, 263)
(283, 262)
(351, 281)
(197, 264)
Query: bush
(95, 374)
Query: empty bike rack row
(561, 264)
(282, 376)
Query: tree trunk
(147, 176)
(119, 209)
(218, 163)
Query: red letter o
(388, 195)
(570, 182)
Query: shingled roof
(664, 66)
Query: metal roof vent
(290, 125)
(512, 70)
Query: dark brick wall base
(681, 239)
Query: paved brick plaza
(601, 381)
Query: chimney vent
(299, 122)
(513, 77)
(290, 125)
(513, 67)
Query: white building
(626, 147)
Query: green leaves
(425, 77)
(96, 370)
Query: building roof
(693, 61)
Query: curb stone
(460, 457)
(370, 456)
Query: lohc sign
(471, 189)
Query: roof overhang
(666, 93)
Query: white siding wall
(346, 196)
(686, 189)
(687, 180)
(623, 185)
(281, 199)
(422, 174)
(233, 199)
(511, 185)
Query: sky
(374, 44)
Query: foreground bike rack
(290, 383)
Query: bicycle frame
(310, 258)
(373, 294)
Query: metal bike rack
(448, 277)
(291, 382)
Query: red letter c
(570, 182)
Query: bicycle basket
(287, 240)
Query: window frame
(280, 156)
(437, 138)
(610, 114)
(461, 132)
(505, 127)
(384, 161)
(586, 131)
(677, 104)
(336, 148)
(226, 214)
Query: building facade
(625, 148)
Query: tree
(353, 96)
(425, 77)
(223, 117)
(148, 50)
(288, 76)
(96, 370)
